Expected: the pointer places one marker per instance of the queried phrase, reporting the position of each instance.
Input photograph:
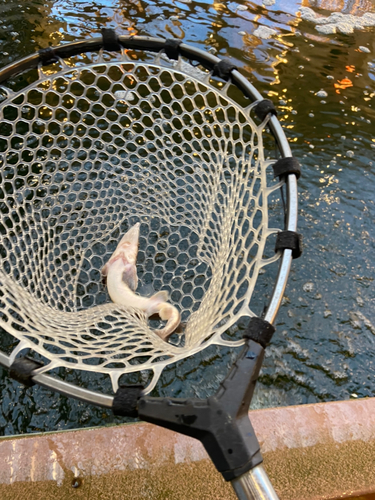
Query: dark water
(324, 347)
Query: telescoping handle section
(254, 485)
(221, 422)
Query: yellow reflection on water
(219, 7)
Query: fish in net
(94, 142)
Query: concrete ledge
(311, 452)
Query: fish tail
(168, 313)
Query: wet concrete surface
(311, 452)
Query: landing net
(91, 145)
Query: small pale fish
(121, 276)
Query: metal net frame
(94, 141)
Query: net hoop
(133, 57)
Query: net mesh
(89, 148)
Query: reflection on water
(356, 7)
(323, 85)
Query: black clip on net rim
(47, 56)
(22, 370)
(289, 240)
(223, 69)
(264, 108)
(110, 40)
(282, 169)
(259, 330)
(286, 166)
(172, 48)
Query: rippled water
(324, 87)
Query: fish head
(127, 249)
(123, 260)
(129, 244)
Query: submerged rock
(337, 21)
(264, 32)
(308, 287)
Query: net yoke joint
(125, 401)
(221, 421)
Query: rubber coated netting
(89, 148)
